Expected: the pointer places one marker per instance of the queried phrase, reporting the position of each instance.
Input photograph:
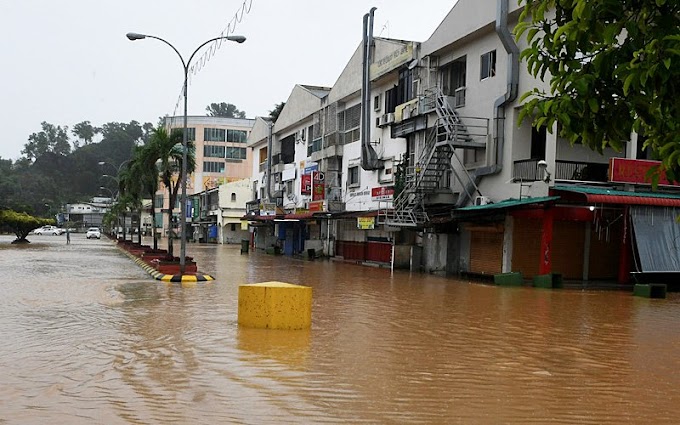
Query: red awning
(299, 216)
(633, 200)
(594, 195)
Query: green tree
(613, 68)
(274, 113)
(169, 150)
(51, 138)
(85, 132)
(21, 223)
(224, 109)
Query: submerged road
(89, 337)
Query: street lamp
(133, 36)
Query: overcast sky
(69, 61)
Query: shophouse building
(221, 157)
(435, 172)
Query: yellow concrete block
(275, 305)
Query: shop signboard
(366, 223)
(382, 193)
(624, 170)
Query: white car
(48, 230)
(93, 232)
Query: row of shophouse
(415, 159)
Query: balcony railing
(528, 170)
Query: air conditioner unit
(389, 118)
(482, 200)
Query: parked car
(48, 230)
(93, 232)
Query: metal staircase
(422, 179)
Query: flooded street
(89, 337)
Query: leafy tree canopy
(224, 109)
(85, 132)
(50, 139)
(21, 223)
(613, 68)
(274, 113)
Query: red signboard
(306, 184)
(318, 186)
(382, 193)
(316, 206)
(623, 170)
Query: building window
(213, 167)
(488, 65)
(289, 186)
(159, 201)
(349, 121)
(191, 134)
(233, 227)
(233, 197)
(210, 151)
(237, 136)
(235, 153)
(159, 220)
(353, 176)
(376, 103)
(385, 175)
(214, 134)
(453, 80)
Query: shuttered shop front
(486, 251)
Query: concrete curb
(179, 278)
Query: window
(453, 80)
(385, 175)
(233, 197)
(349, 121)
(214, 134)
(235, 153)
(159, 201)
(159, 220)
(210, 151)
(237, 136)
(233, 227)
(289, 186)
(376, 103)
(191, 134)
(213, 167)
(353, 176)
(287, 150)
(488, 65)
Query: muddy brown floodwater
(88, 337)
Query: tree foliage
(21, 223)
(613, 68)
(224, 109)
(85, 132)
(51, 139)
(274, 113)
(169, 149)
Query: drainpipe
(501, 102)
(269, 162)
(369, 158)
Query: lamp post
(183, 175)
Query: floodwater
(89, 338)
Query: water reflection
(91, 339)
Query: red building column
(545, 265)
(625, 253)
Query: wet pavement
(89, 337)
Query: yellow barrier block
(275, 305)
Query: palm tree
(169, 150)
(131, 191)
(145, 171)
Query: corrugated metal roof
(598, 195)
(509, 203)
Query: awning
(596, 195)
(509, 203)
(232, 220)
(657, 238)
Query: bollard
(275, 305)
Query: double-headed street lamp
(132, 36)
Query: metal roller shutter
(486, 252)
(526, 246)
(567, 248)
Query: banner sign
(382, 193)
(623, 170)
(306, 184)
(365, 223)
(318, 186)
(317, 206)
